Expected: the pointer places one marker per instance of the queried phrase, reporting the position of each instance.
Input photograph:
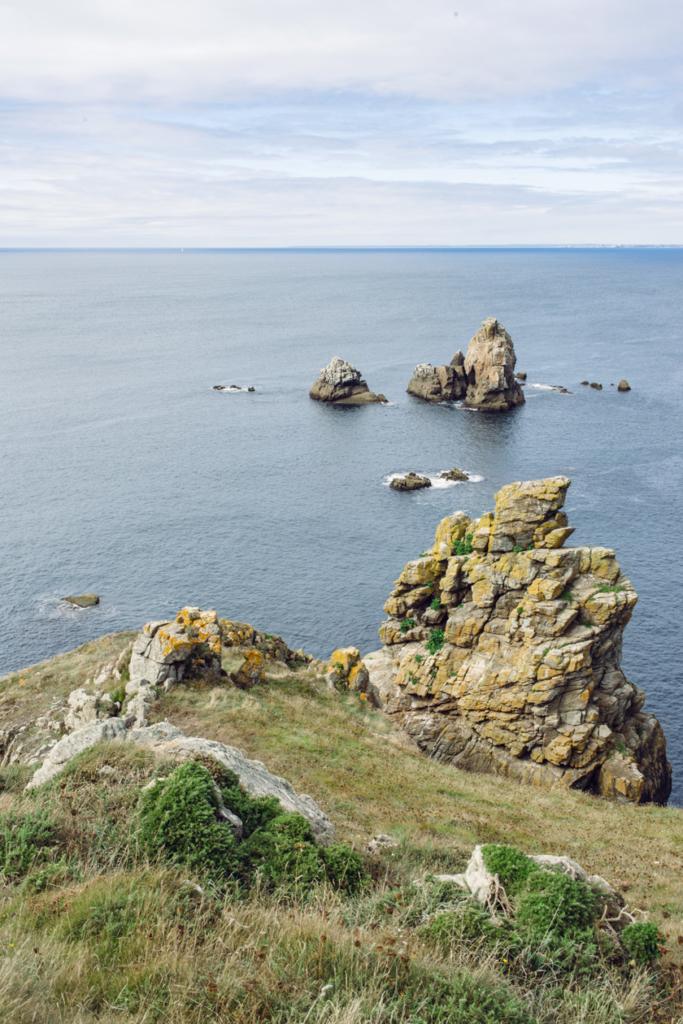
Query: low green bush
(179, 822)
(25, 839)
(436, 641)
(511, 865)
(642, 941)
(552, 901)
(463, 547)
(436, 604)
(406, 625)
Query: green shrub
(642, 941)
(119, 694)
(179, 821)
(463, 547)
(406, 625)
(566, 595)
(463, 925)
(24, 840)
(436, 604)
(554, 902)
(605, 588)
(436, 641)
(511, 865)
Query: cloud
(301, 123)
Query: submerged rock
(341, 382)
(490, 368)
(524, 676)
(410, 482)
(83, 600)
(439, 383)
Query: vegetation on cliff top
(98, 924)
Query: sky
(305, 122)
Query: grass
(98, 929)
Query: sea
(123, 472)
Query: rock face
(341, 382)
(440, 383)
(490, 368)
(168, 741)
(410, 482)
(83, 600)
(503, 653)
(163, 649)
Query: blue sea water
(123, 472)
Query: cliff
(502, 654)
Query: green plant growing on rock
(511, 865)
(463, 547)
(642, 941)
(406, 625)
(605, 588)
(436, 641)
(436, 604)
(567, 596)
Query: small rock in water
(410, 482)
(219, 387)
(623, 385)
(454, 474)
(585, 382)
(251, 389)
(520, 376)
(83, 600)
(598, 387)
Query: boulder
(410, 482)
(596, 386)
(439, 383)
(163, 651)
(346, 671)
(623, 385)
(340, 382)
(528, 681)
(84, 708)
(168, 742)
(251, 672)
(83, 600)
(490, 369)
(454, 474)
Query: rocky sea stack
(340, 382)
(490, 368)
(485, 377)
(502, 654)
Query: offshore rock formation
(410, 482)
(490, 368)
(440, 383)
(502, 654)
(340, 382)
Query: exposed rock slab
(341, 382)
(490, 368)
(165, 739)
(163, 650)
(528, 681)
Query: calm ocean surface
(123, 472)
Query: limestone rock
(163, 650)
(527, 682)
(76, 743)
(84, 708)
(251, 672)
(83, 600)
(339, 381)
(623, 385)
(490, 369)
(439, 383)
(410, 482)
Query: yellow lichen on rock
(528, 680)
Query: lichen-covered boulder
(440, 383)
(522, 675)
(251, 672)
(490, 368)
(341, 382)
(163, 650)
(346, 671)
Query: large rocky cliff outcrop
(502, 653)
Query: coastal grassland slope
(95, 927)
